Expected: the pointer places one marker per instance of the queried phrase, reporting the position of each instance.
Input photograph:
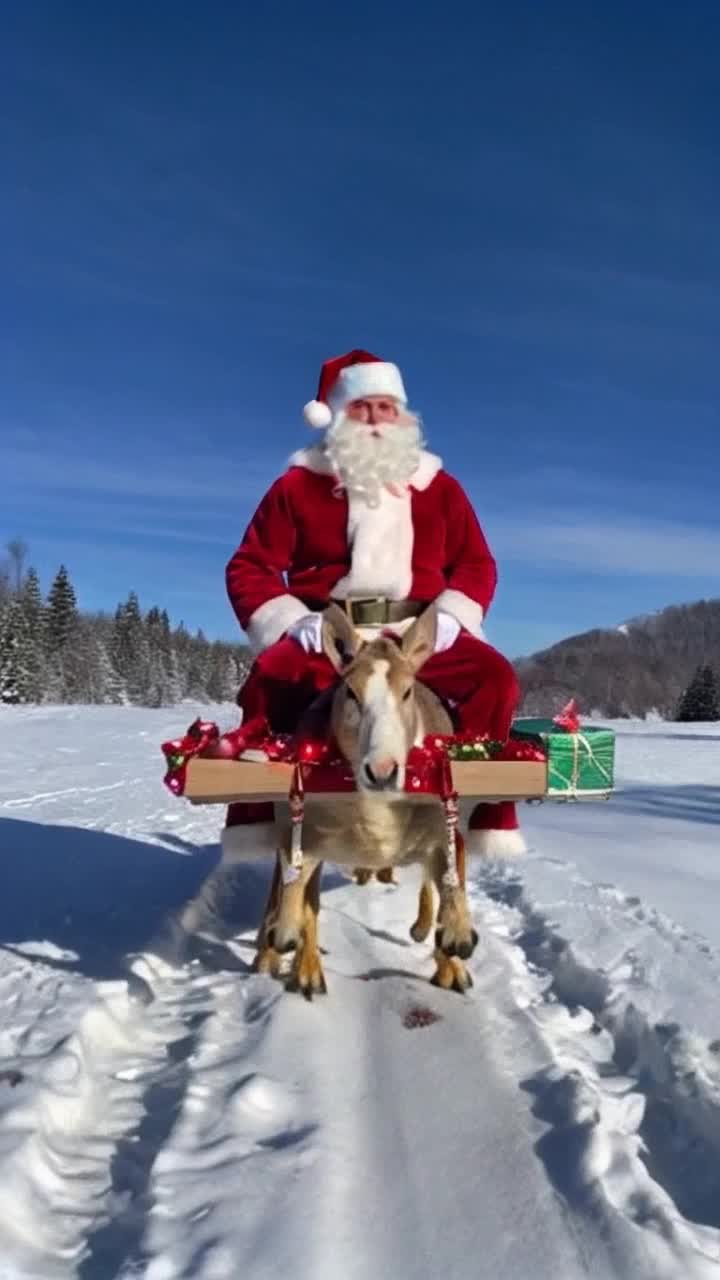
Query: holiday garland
(328, 770)
(318, 767)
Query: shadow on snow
(687, 802)
(106, 897)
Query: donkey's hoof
(456, 942)
(419, 931)
(361, 875)
(306, 989)
(307, 976)
(463, 982)
(451, 974)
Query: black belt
(377, 611)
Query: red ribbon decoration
(203, 738)
(569, 717)
(428, 768)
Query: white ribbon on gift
(579, 740)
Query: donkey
(378, 712)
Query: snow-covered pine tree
(96, 680)
(155, 694)
(82, 665)
(15, 678)
(222, 683)
(110, 681)
(700, 700)
(32, 602)
(62, 614)
(33, 607)
(198, 667)
(173, 679)
(130, 651)
(243, 662)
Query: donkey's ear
(418, 643)
(340, 640)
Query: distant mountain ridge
(643, 665)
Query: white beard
(365, 462)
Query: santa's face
(375, 442)
(375, 410)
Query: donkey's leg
(454, 932)
(267, 959)
(426, 911)
(307, 974)
(455, 935)
(286, 931)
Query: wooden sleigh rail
(542, 760)
(226, 781)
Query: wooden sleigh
(543, 760)
(578, 765)
(228, 781)
(384, 809)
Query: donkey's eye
(351, 695)
(406, 694)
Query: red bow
(569, 717)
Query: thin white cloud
(610, 546)
(156, 478)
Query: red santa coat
(307, 542)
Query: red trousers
(476, 681)
(472, 677)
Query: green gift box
(580, 764)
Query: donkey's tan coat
(379, 712)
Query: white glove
(448, 630)
(308, 632)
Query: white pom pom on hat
(352, 377)
(317, 414)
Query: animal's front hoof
(361, 875)
(419, 931)
(386, 875)
(307, 976)
(308, 988)
(451, 974)
(456, 941)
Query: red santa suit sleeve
(470, 571)
(254, 576)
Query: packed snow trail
(177, 1120)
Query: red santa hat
(352, 377)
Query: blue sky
(518, 203)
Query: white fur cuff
(495, 844)
(272, 619)
(466, 611)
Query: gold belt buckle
(373, 610)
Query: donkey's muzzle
(381, 775)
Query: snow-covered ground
(175, 1116)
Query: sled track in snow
(184, 1084)
(80, 1149)
(674, 1074)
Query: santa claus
(371, 519)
